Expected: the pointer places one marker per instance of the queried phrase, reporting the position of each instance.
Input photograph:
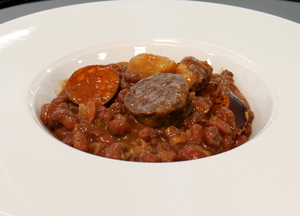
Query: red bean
(177, 140)
(87, 112)
(147, 134)
(59, 100)
(65, 117)
(99, 148)
(99, 134)
(170, 131)
(118, 127)
(117, 108)
(80, 142)
(220, 124)
(212, 136)
(46, 112)
(121, 95)
(124, 84)
(132, 76)
(194, 118)
(116, 151)
(227, 115)
(84, 127)
(240, 140)
(104, 138)
(153, 142)
(146, 156)
(202, 105)
(226, 143)
(61, 133)
(104, 115)
(165, 153)
(190, 152)
(68, 140)
(194, 135)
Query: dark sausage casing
(159, 100)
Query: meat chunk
(159, 100)
(195, 72)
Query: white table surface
(286, 9)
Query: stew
(150, 109)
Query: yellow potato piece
(145, 65)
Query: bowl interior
(252, 80)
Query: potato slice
(144, 65)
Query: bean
(190, 152)
(212, 136)
(220, 124)
(99, 148)
(118, 127)
(101, 136)
(147, 134)
(104, 115)
(165, 153)
(194, 118)
(115, 151)
(120, 67)
(227, 115)
(87, 112)
(121, 95)
(68, 140)
(174, 136)
(61, 133)
(59, 100)
(132, 77)
(202, 105)
(80, 142)
(46, 112)
(63, 106)
(194, 135)
(240, 140)
(146, 156)
(177, 140)
(153, 142)
(170, 131)
(84, 127)
(65, 117)
(226, 142)
(117, 108)
(124, 84)
(98, 133)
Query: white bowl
(41, 176)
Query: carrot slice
(97, 83)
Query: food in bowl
(150, 109)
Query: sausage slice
(159, 100)
(96, 83)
